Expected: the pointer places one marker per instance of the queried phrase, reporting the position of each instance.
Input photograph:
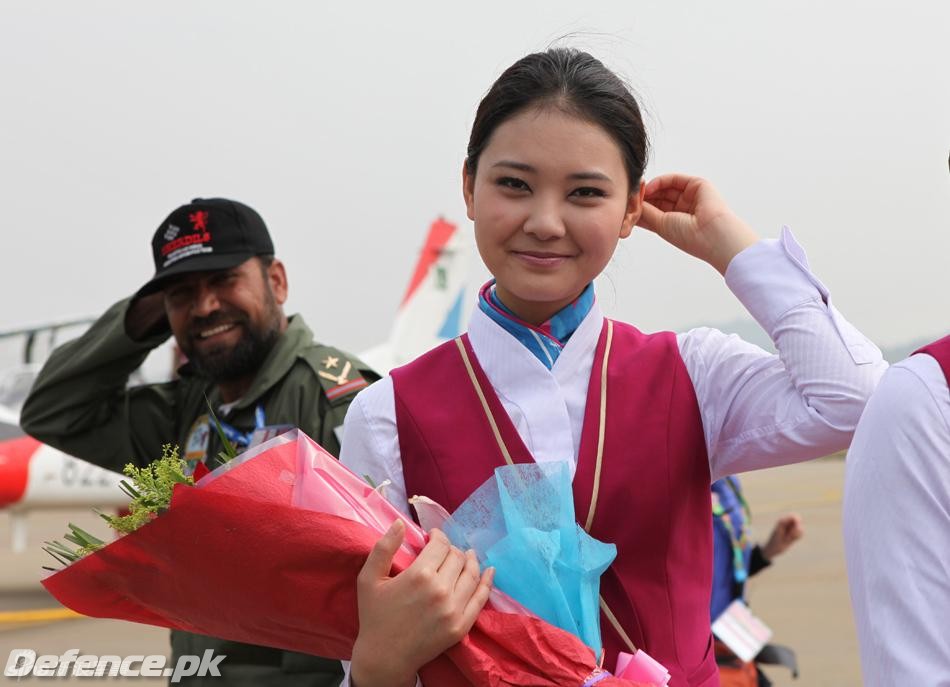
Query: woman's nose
(544, 220)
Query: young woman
(552, 181)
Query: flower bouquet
(266, 550)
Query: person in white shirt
(897, 524)
(552, 181)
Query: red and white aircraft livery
(437, 302)
(33, 475)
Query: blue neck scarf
(547, 340)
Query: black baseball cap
(206, 234)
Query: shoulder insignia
(340, 375)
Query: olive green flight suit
(82, 405)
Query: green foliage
(229, 452)
(150, 489)
(85, 543)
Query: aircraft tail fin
(434, 307)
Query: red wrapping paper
(235, 558)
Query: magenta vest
(653, 499)
(941, 351)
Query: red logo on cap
(199, 220)
(199, 224)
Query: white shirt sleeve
(370, 447)
(897, 527)
(758, 409)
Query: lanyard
(740, 541)
(239, 438)
(731, 483)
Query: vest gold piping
(481, 397)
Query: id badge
(196, 444)
(742, 632)
(262, 434)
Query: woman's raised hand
(409, 619)
(689, 213)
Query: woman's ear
(634, 210)
(468, 191)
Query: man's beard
(243, 359)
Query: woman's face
(550, 200)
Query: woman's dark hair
(573, 82)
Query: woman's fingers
(669, 194)
(433, 554)
(451, 567)
(380, 559)
(676, 183)
(651, 217)
(468, 578)
(679, 193)
(664, 205)
(407, 620)
(478, 599)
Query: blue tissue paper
(521, 521)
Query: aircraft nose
(15, 457)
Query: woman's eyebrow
(525, 167)
(592, 175)
(521, 166)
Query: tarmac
(803, 597)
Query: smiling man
(220, 292)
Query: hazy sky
(345, 125)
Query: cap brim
(207, 263)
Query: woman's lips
(537, 259)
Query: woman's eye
(513, 183)
(588, 192)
